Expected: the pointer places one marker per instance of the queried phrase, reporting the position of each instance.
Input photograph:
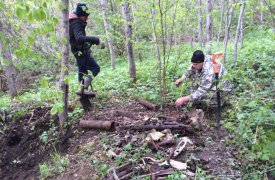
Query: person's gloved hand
(102, 45)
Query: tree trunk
(9, 70)
(175, 2)
(200, 23)
(137, 33)
(221, 20)
(155, 38)
(209, 26)
(238, 31)
(129, 44)
(209, 21)
(227, 31)
(109, 39)
(63, 116)
(271, 11)
(241, 33)
(262, 14)
(163, 25)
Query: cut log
(146, 104)
(105, 125)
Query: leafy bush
(252, 115)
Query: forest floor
(96, 154)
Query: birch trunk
(221, 20)
(63, 116)
(155, 38)
(271, 11)
(109, 39)
(238, 31)
(129, 44)
(209, 26)
(200, 23)
(10, 72)
(241, 33)
(209, 21)
(262, 14)
(227, 31)
(136, 22)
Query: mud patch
(21, 147)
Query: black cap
(198, 57)
(82, 9)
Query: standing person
(202, 76)
(80, 44)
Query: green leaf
(45, 5)
(2, 6)
(58, 56)
(44, 83)
(54, 110)
(49, 27)
(39, 15)
(128, 146)
(55, 20)
(30, 16)
(63, 40)
(67, 80)
(43, 15)
(63, 68)
(31, 39)
(6, 62)
(21, 12)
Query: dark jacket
(78, 36)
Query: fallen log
(105, 125)
(146, 104)
(156, 127)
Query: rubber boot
(87, 81)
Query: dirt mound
(21, 147)
(90, 151)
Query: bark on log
(156, 127)
(105, 125)
(147, 104)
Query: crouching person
(203, 87)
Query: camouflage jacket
(204, 81)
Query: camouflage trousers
(211, 99)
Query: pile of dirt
(21, 148)
(206, 151)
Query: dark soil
(20, 147)
(22, 150)
(211, 152)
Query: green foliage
(252, 117)
(56, 165)
(44, 137)
(101, 168)
(176, 176)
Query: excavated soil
(21, 148)
(210, 152)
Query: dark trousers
(86, 62)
